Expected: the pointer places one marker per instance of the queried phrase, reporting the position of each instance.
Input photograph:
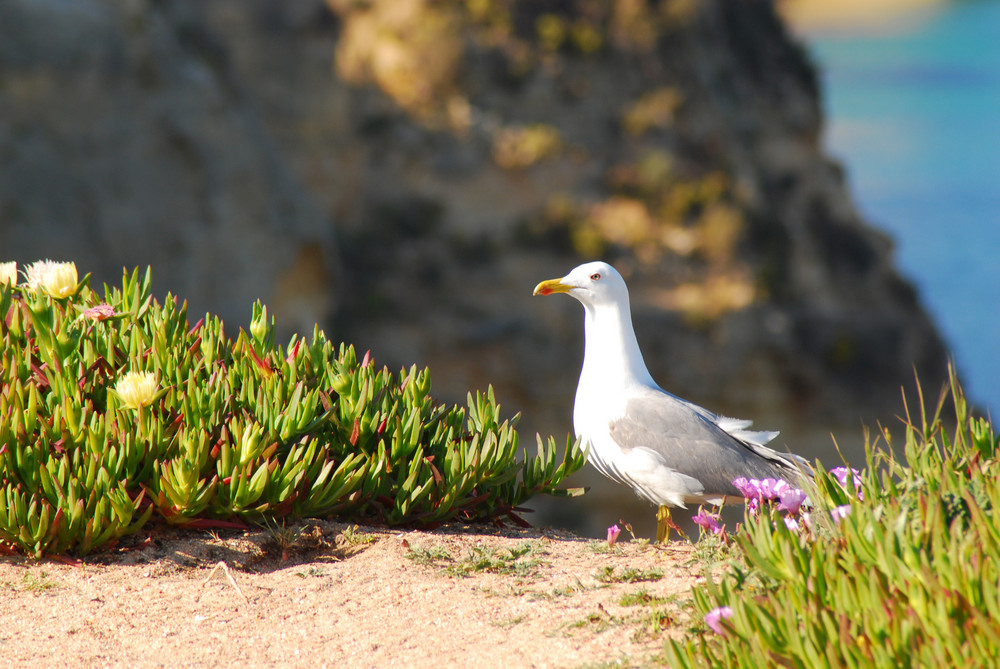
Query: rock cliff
(125, 140)
(404, 172)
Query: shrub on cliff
(113, 408)
(901, 569)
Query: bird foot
(664, 523)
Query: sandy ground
(327, 594)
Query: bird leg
(664, 524)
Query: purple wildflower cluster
(844, 474)
(791, 501)
(759, 491)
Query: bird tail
(757, 441)
(738, 428)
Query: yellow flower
(137, 389)
(58, 279)
(8, 273)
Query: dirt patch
(329, 594)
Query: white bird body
(670, 451)
(613, 370)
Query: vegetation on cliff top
(904, 572)
(114, 408)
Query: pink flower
(758, 491)
(749, 488)
(763, 489)
(791, 524)
(715, 617)
(613, 533)
(840, 512)
(791, 499)
(843, 473)
(710, 521)
(771, 488)
(100, 312)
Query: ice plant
(137, 389)
(242, 430)
(613, 533)
(8, 273)
(899, 578)
(791, 500)
(58, 279)
(710, 521)
(715, 617)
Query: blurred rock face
(125, 140)
(404, 173)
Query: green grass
(352, 537)
(602, 548)
(641, 597)
(612, 574)
(652, 624)
(282, 537)
(521, 561)
(594, 622)
(911, 577)
(508, 623)
(39, 583)
(563, 591)
(429, 555)
(520, 589)
(622, 662)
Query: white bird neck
(611, 360)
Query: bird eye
(595, 277)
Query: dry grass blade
(232, 581)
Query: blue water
(914, 114)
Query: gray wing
(691, 442)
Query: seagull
(670, 451)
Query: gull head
(593, 283)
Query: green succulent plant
(113, 409)
(905, 571)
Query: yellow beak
(552, 286)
